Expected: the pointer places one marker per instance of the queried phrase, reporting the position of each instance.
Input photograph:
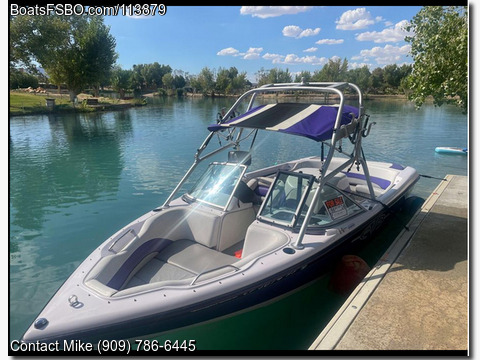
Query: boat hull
(242, 298)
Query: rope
(432, 177)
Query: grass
(28, 104)
(24, 104)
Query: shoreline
(24, 104)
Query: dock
(416, 296)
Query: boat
(241, 237)
(451, 150)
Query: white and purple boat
(238, 238)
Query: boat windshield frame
(220, 183)
(305, 190)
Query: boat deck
(416, 297)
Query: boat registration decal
(336, 207)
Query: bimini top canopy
(310, 120)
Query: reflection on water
(75, 179)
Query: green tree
(137, 79)
(74, 50)
(261, 76)
(377, 80)
(391, 77)
(168, 81)
(238, 83)
(98, 50)
(361, 77)
(121, 80)
(305, 75)
(334, 70)
(19, 79)
(274, 75)
(179, 81)
(154, 74)
(223, 80)
(206, 81)
(440, 54)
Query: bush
(161, 92)
(20, 79)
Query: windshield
(285, 197)
(218, 183)
(293, 191)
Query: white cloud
(297, 32)
(329, 41)
(391, 34)
(355, 65)
(228, 51)
(356, 19)
(252, 53)
(312, 49)
(276, 58)
(264, 12)
(292, 59)
(389, 54)
(291, 31)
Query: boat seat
(260, 186)
(244, 193)
(194, 257)
(360, 179)
(161, 261)
(182, 259)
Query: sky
(297, 38)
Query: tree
(274, 75)
(238, 83)
(121, 80)
(19, 79)
(439, 48)
(168, 81)
(391, 77)
(222, 81)
(334, 70)
(137, 79)
(98, 51)
(305, 75)
(261, 76)
(206, 81)
(179, 81)
(377, 79)
(361, 77)
(75, 50)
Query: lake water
(76, 179)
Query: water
(76, 179)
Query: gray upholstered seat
(182, 259)
(194, 257)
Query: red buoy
(348, 274)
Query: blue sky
(249, 38)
